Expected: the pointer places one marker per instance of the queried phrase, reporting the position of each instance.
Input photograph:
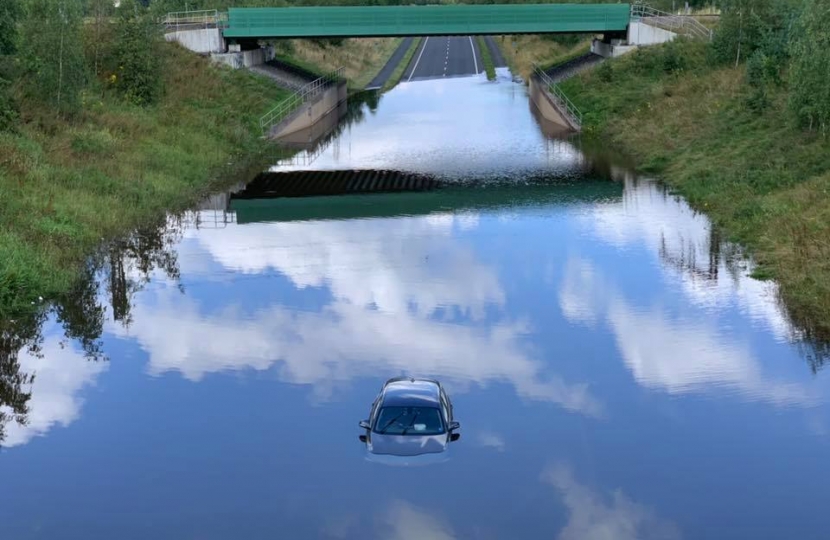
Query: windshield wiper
(389, 423)
(412, 423)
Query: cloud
(596, 516)
(61, 374)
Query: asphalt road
(443, 56)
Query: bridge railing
(283, 109)
(566, 106)
(679, 24)
(194, 20)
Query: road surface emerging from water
(445, 56)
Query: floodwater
(616, 373)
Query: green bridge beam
(379, 21)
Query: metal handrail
(566, 105)
(289, 104)
(677, 23)
(205, 18)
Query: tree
(100, 12)
(51, 53)
(9, 16)
(138, 76)
(747, 25)
(810, 69)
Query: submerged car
(409, 418)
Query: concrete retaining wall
(547, 106)
(611, 50)
(310, 113)
(644, 34)
(203, 40)
(244, 59)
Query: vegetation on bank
(486, 59)
(740, 128)
(523, 52)
(361, 59)
(397, 75)
(137, 129)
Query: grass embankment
(522, 52)
(397, 75)
(486, 59)
(67, 186)
(762, 179)
(360, 58)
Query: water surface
(615, 372)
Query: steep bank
(360, 58)
(761, 178)
(524, 51)
(68, 185)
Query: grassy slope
(523, 51)
(65, 187)
(760, 178)
(361, 58)
(486, 59)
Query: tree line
(785, 45)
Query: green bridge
(433, 20)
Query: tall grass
(486, 58)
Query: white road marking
(475, 62)
(418, 60)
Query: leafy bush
(138, 76)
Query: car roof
(409, 392)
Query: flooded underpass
(616, 372)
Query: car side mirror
(454, 426)
(365, 424)
(362, 438)
(454, 437)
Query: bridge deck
(374, 21)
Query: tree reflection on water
(121, 269)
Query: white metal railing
(288, 105)
(193, 20)
(566, 106)
(679, 24)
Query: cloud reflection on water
(594, 516)
(387, 279)
(61, 373)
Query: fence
(194, 20)
(565, 105)
(290, 104)
(679, 24)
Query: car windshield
(409, 421)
